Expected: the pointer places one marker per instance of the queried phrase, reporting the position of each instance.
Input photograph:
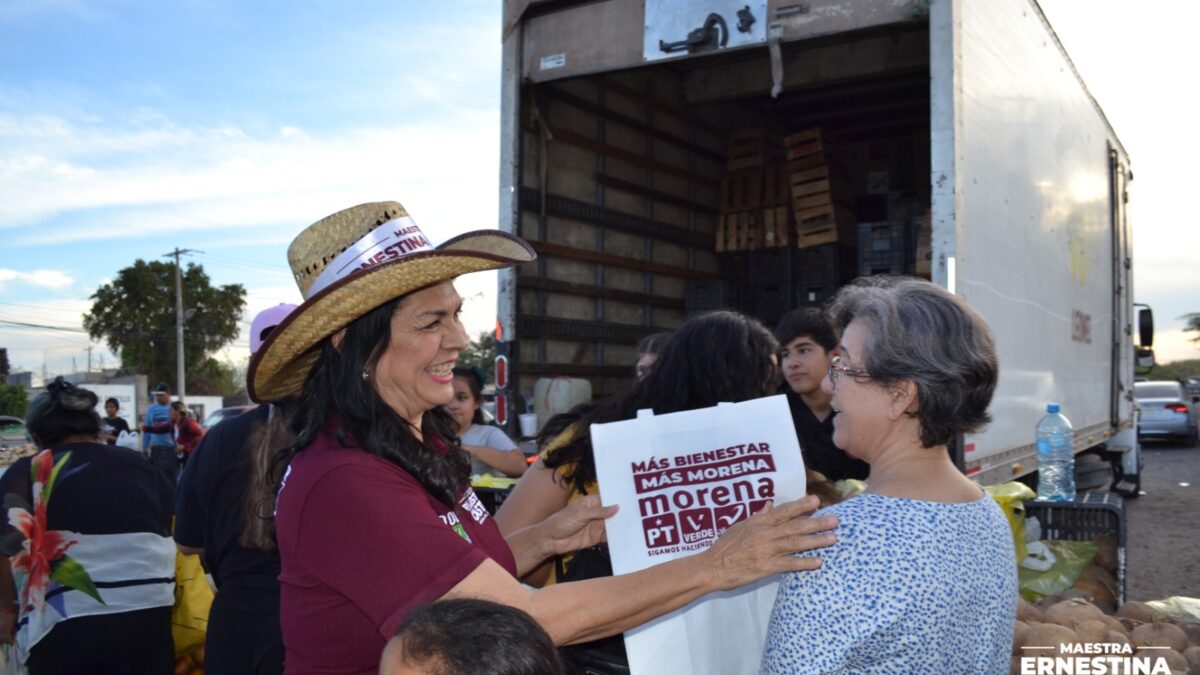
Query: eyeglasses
(837, 367)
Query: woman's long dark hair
(258, 504)
(713, 358)
(337, 393)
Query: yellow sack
(1011, 497)
(193, 599)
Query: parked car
(1192, 385)
(224, 414)
(1168, 411)
(15, 441)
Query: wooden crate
(777, 187)
(777, 227)
(753, 230)
(741, 191)
(753, 149)
(809, 143)
(825, 225)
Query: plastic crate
(773, 266)
(703, 296)
(821, 271)
(887, 247)
(1085, 519)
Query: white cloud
(217, 180)
(51, 279)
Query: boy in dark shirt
(806, 343)
(112, 425)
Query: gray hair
(920, 332)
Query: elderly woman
(491, 450)
(923, 577)
(88, 538)
(375, 515)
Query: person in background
(88, 530)
(807, 341)
(466, 636)
(218, 518)
(647, 351)
(113, 424)
(489, 447)
(159, 446)
(185, 433)
(742, 354)
(923, 578)
(375, 514)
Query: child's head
(470, 637)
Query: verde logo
(451, 519)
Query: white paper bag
(680, 480)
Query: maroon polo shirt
(361, 544)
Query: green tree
(1175, 370)
(1192, 324)
(135, 315)
(13, 400)
(481, 353)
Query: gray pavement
(1163, 526)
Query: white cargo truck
(620, 125)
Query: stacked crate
(887, 247)
(924, 264)
(754, 209)
(821, 270)
(820, 194)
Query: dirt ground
(1162, 537)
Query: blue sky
(128, 128)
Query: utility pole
(89, 351)
(180, 385)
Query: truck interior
(660, 191)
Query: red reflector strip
(501, 409)
(501, 372)
(974, 470)
(970, 448)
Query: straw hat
(353, 261)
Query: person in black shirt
(88, 533)
(807, 341)
(220, 518)
(112, 425)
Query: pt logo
(661, 530)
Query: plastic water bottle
(1056, 456)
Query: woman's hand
(577, 526)
(763, 544)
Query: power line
(230, 261)
(61, 310)
(23, 324)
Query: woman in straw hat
(374, 514)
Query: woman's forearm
(753, 549)
(588, 610)
(529, 548)
(511, 462)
